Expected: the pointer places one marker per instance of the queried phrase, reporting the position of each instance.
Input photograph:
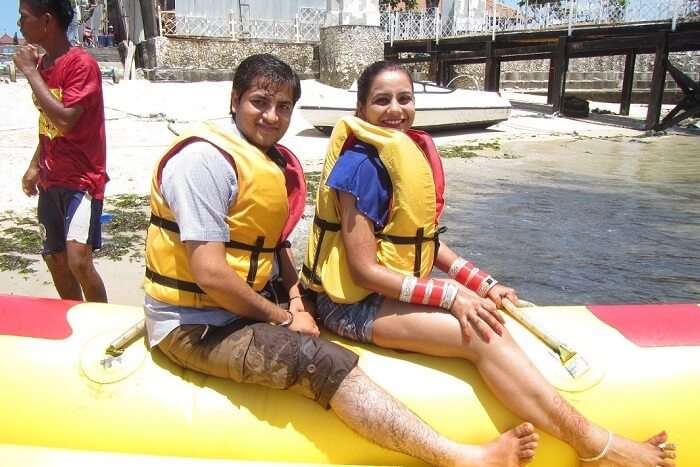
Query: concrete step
(104, 54)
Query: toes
(529, 446)
(658, 438)
(524, 429)
(532, 438)
(670, 454)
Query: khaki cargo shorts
(259, 353)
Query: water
(588, 221)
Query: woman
(374, 243)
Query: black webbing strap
(165, 223)
(325, 226)
(254, 257)
(173, 227)
(172, 282)
(416, 240)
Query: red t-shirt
(77, 159)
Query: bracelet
(473, 278)
(602, 453)
(287, 322)
(292, 298)
(432, 292)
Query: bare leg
(66, 284)
(83, 269)
(408, 327)
(369, 410)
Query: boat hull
(61, 392)
(437, 108)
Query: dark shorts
(353, 321)
(259, 353)
(68, 215)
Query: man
(223, 201)
(68, 169)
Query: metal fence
(566, 14)
(305, 27)
(431, 24)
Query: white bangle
(449, 294)
(602, 453)
(428, 292)
(287, 322)
(407, 286)
(456, 266)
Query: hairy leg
(83, 269)
(500, 362)
(373, 413)
(66, 284)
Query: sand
(139, 114)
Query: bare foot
(624, 452)
(515, 447)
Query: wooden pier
(559, 47)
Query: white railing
(431, 24)
(305, 27)
(567, 14)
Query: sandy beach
(139, 114)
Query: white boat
(437, 107)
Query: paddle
(118, 345)
(573, 362)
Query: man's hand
(304, 323)
(30, 180)
(477, 314)
(498, 292)
(26, 57)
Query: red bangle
(473, 278)
(431, 292)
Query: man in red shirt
(68, 170)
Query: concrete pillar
(351, 40)
(346, 50)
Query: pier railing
(567, 14)
(432, 24)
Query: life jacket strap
(255, 250)
(173, 283)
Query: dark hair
(364, 82)
(271, 70)
(62, 10)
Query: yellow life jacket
(268, 205)
(408, 242)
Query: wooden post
(628, 84)
(550, 81)
(492, 73)
(560, 61)
(434, 70)
(148, 16)
(656, 94)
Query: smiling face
(390, 102)
(263, 112)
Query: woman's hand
(477, 314)
(498, 292)
(304, 323)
